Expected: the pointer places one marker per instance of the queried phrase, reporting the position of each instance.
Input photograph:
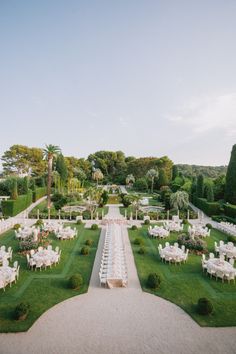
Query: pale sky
(150, 78)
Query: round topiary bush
(85, 251)
(75, 281)
(138, 241)
(185, 221)
(209, 226)
(89, 242)
(142, 250)
(204, 307)
(147, 222)
(134, 227)
(21, 311)
(16, 226)
(39, 222)
(153, 281)
(79, 222)
(94, 227)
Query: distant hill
(207, 171)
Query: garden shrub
(39, 193)
(16, 226)
(89, 242)
(185, 221)
(85, 251)
(153, 281)
(209, 208)
(138, 241)
(59, 201)
(204, 306)
(94, 227)
(13, 207)
(39, 222)
(142, 250)
(75, 281)
(79, 222)
(231, 238)
(230, 210)
(134, 227)
(196, 244)
(220, 218)
(86, 215)
(21, 311)
(147, 222)
(209, 226)
(28, 244)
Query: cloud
(202, 115)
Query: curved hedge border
(14, 207)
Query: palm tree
(50, 152)
(179, 200)
(97, 175)
(152, 174)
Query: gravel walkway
(118, 321)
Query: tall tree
(50, 152)
(162, 179)
(209, 192)
(97, 175)
(14, 190)
(175, 172)
(152, 174)
(179, 200)
(200, 186)
(230, 187)
(20, 159)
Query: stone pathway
(116, 321)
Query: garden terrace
(44, 289)
(185, 284)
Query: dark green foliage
(141, 185)
(204, 307)
(147, 222)
(14, 207)
(79, 222)
(134, 227)
(231, 238)
(142, 250)
(39, 193)
(162, 178)
(175, 172)
(126, 200)
(94, 227)
(75, 281)
(153, 281)
(230, 210)
(219, 187)
(208, 208)
(206, 171)
(104, 199)
(85, 251)
(59, 200)
(200, 186)
(209, 226)
(230, 186)
(39, 222)
(14, 190)
(16, 226)
(62, 168)
(209, 193)
(21, 311)
(220, 218)
(88, 242)
(25, 185)
(138, 241)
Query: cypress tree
(175, 172)
(14, 190)
(210, 193)
(230, 187)
(162, 179)
(25, 185)
(62, 168)
(200, 186)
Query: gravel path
(118, 321)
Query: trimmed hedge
(13, 207)
(230, 210)
(39, 193)
(209, 208)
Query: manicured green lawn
(44, 289)
(185, 284)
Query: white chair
(230, 276)
(40, 248)
(183, 248)
(49, 247)
(211, 255)
(231, 261)
(57, 249)
(47, 263)
(32, 252)
(167, 244)
(38, 265)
